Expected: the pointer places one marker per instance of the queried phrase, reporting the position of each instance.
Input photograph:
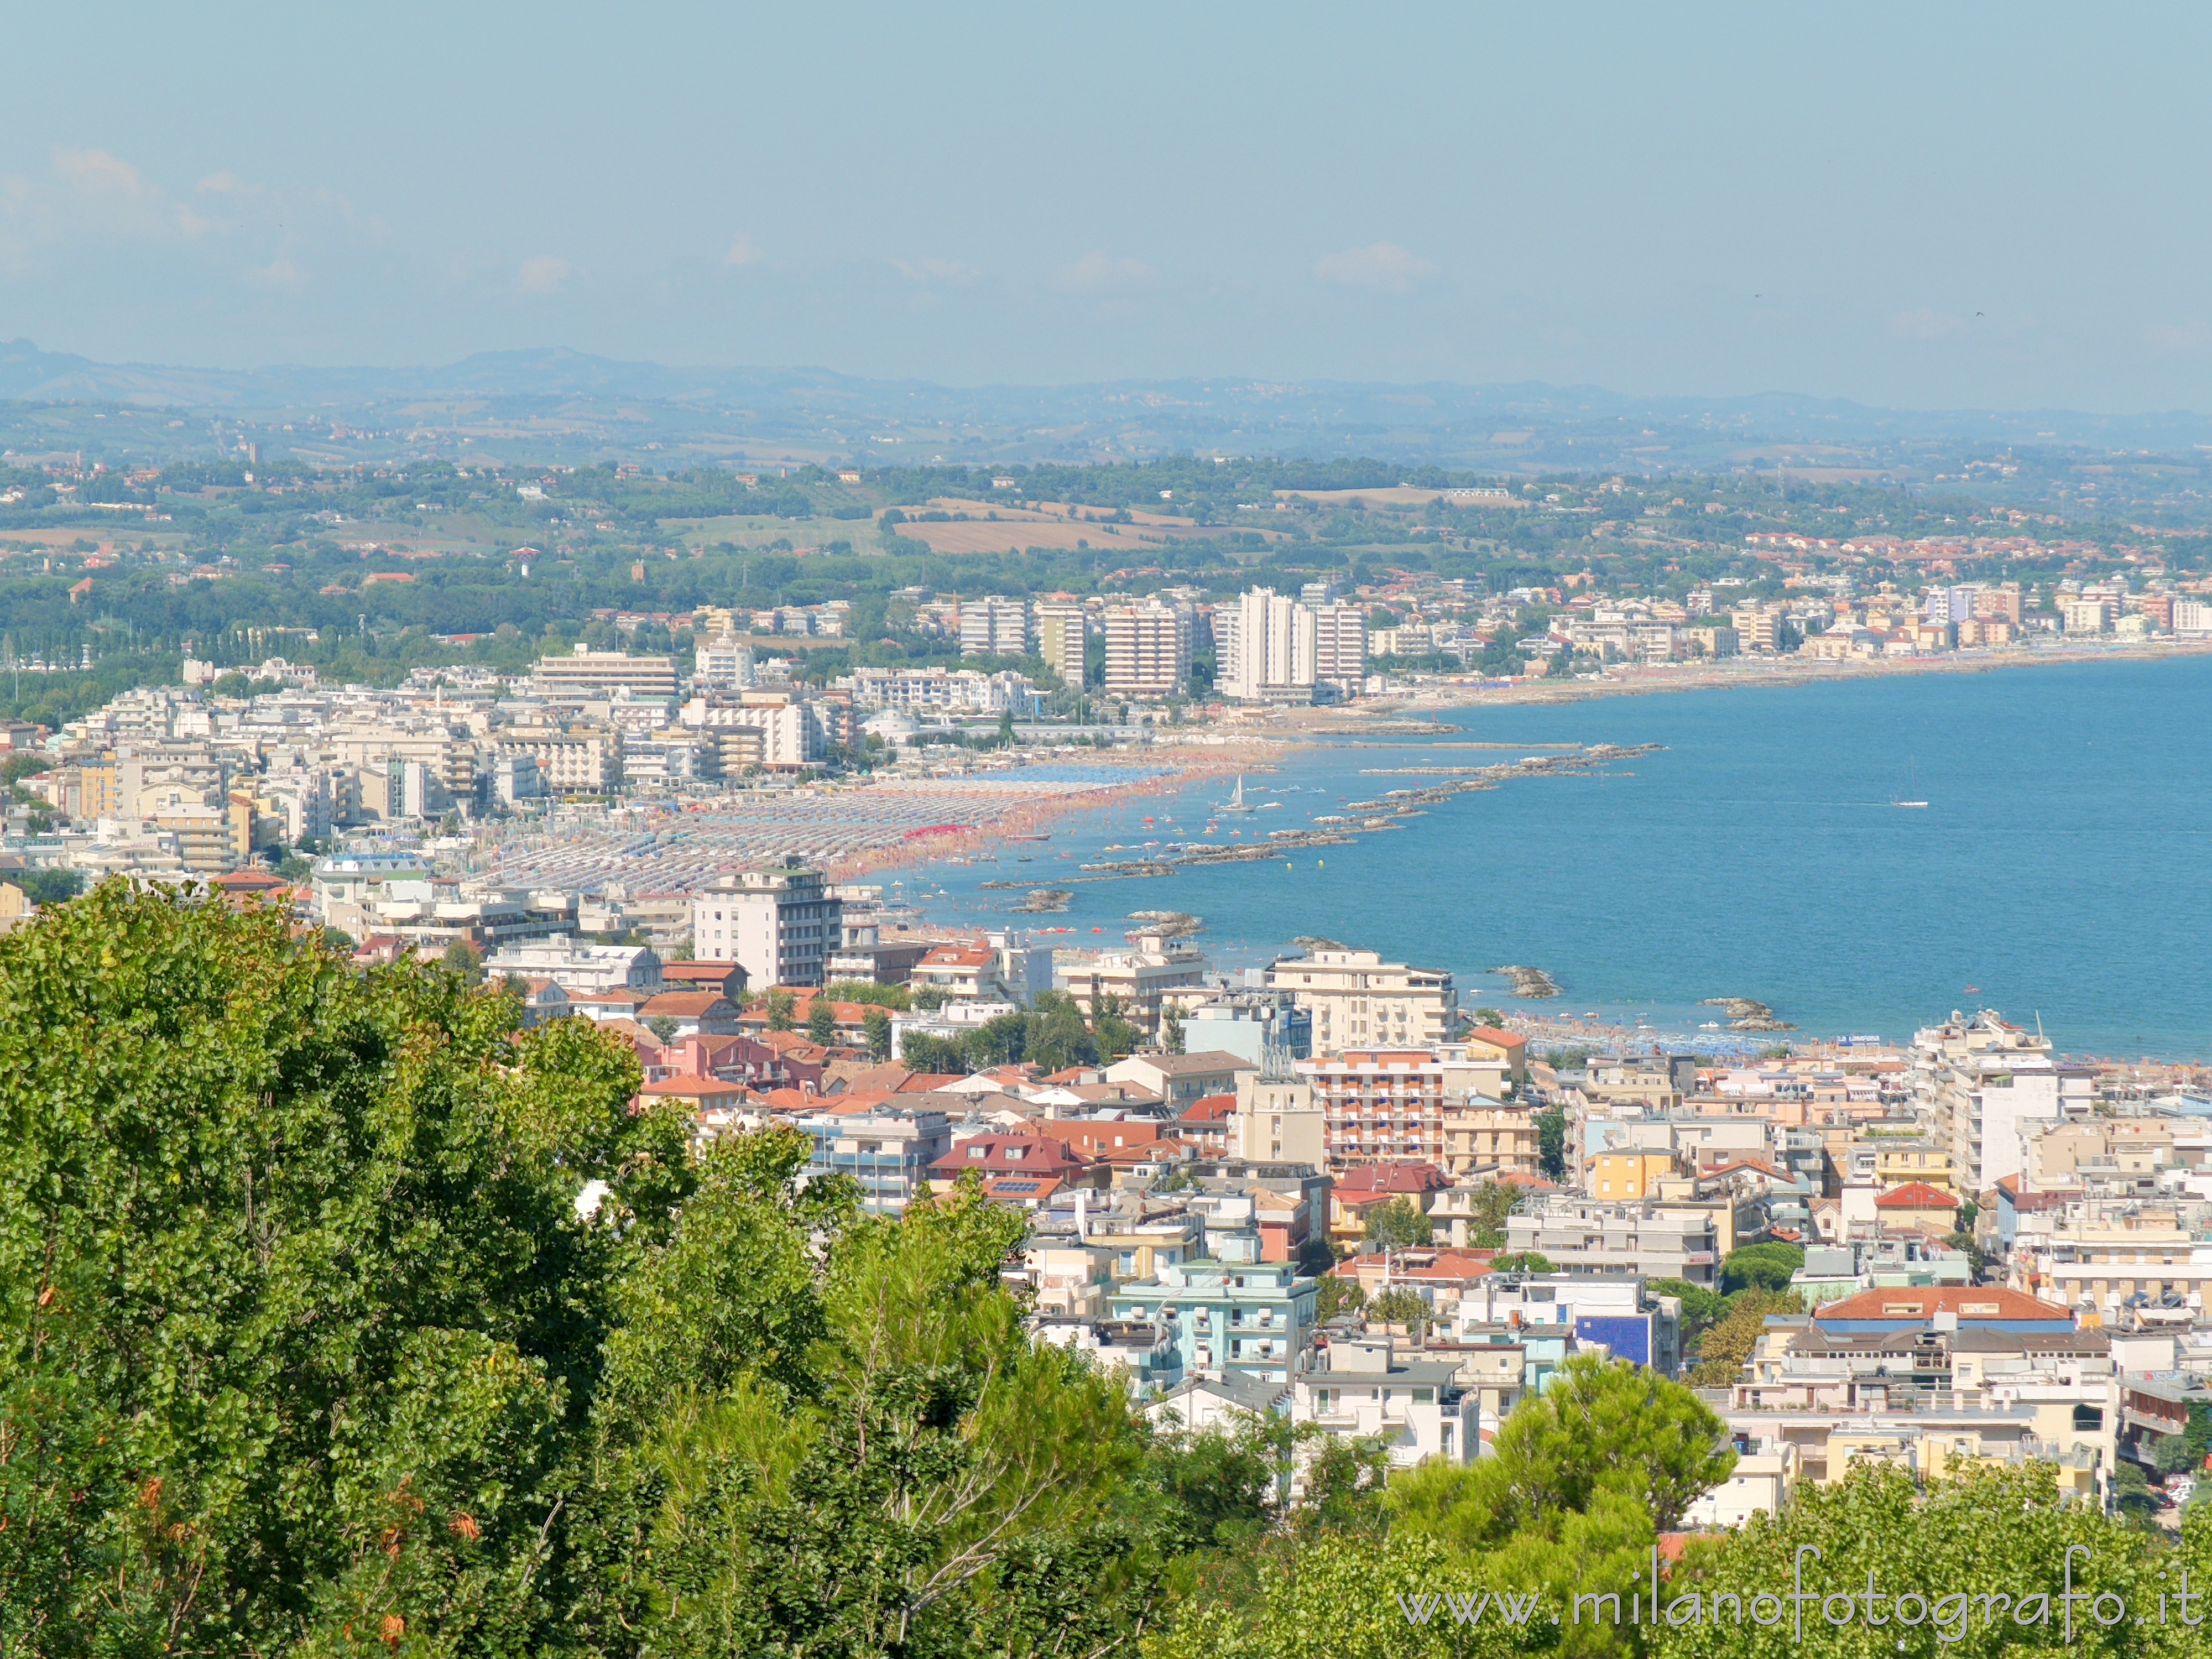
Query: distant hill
(1523, 425)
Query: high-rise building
(1275, 649)
(1147, 653)
(781, 923)
(1341, 647)
(1059, 633)
(994, 627)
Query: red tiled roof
(697, 1088)
(1209, 1109)
(1009, 1155)
(1398, 1177)
(678, 1005)
(1926, 1302)
(1915, 1195)
(1498, 1039)
(959, 955)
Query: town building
(598, 674)
(781, 923)
(1356, 1000)
(1147, 653)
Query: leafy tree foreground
(339, 1317)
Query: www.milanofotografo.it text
(2072, 1610)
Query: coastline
(1631, 680)
(1169, 768)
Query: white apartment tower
(1147, 653)
(1341, 647)
(994, 627)
(781, 923)
(1276, 649)
(724, 664)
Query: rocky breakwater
(1166, 924)
(1533, 984)
(1745, 1015)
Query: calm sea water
(2063, 867)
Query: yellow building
(1628, 1175)
(1895, 1165)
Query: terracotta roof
(1915, 1195)
(959, 955)
(1923, 1303)
(1498, 1039)
(678, 1004)
(1392, 1178)
(696, 1088)
(1009, 1155)
(1022, 1188)
(853, 1102)
(1209, 1109)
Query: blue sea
(2061, 868)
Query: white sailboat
(1235, 801)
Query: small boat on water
(1236, 802)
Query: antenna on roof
(2039, 1025)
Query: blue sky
(1928, 206)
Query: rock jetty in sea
(1307, 941)
(1746, 1015)
(1531, 982)
(1168, 924)
(1045, 900)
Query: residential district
(1321, 1189)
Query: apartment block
(1379, 1105)
(1060, 630)
(781, 923)
(598, 674)
(994, 627)
(1147, 653)
(1357, 1000)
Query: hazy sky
(1939, 206)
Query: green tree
(1057, 1037)
(1399, 1305)
(864, 991)
(296, 1308)
(1701, 1307)
(1552, 1142)
(1401, 1223)
(1493, 1203)
(1522, 1262)
(1171, 1037)
(877, 1024)
(1990, 1529)
(1724, 1349)
(1603, 1427)
(934, 1056)
(779, 1006)
(821, 1021)
(2173, 1455)
(49, 887)
(1114, 1036)
(1339, 1293)
(464, 959)
(1761, 1266)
